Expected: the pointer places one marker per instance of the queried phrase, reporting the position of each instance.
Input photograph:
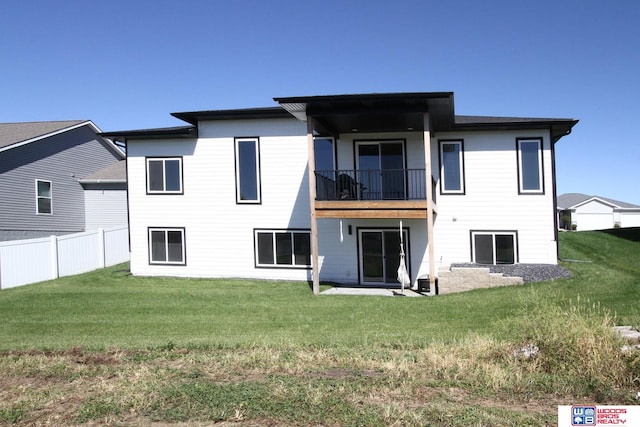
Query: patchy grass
(106, 348)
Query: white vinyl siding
(492, 200)
(222, 239)
(220, 231)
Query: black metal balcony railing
(371, 184)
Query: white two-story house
(316, 188)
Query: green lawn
(110, 308)
(107, 348)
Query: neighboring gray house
(583, 212)
(52, 172)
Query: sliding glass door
(380, 256)
(381, 173)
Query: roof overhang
(557, 127)
(194, 117)
(158, 133)
(378, 112)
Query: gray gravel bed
(528, 272)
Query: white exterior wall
(339, 259)
(491, 201)
(219, 233)
(105, 208)
(630, 218)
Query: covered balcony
(377, 188)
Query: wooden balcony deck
(416, 209)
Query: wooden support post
(315, 267)
(429, 183)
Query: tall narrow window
(166, 246)
(451, 167)
(44, 197)
(164, 175)
(530, 177)
(323, 150)
(493, 247)
(247, 170)
(283, 248)
(326, 175)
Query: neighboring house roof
(572, 200)
(114, 173)
(14, 135)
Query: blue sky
(129, 64)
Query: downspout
(555, 196)
(126, 189)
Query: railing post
(54, 256)
(101, 248)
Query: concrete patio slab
(371, 292)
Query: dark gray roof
(569, 200)
(373, 112)
(116, 172)
(155, 133)
(14, 133)
(558, 127)
(194, 117)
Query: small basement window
(494, 247)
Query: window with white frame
(44, 197)
(283, 248)
(164, 175)
(451, 167)
(494, 247)
(166, 246)
(530, 176)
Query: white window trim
(256, 142)
(443, 189)
(521, 188)
(164, 181)
(274, 232)
(165, 230)
(38, 197)
(493, 234)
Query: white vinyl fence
(34, 260)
